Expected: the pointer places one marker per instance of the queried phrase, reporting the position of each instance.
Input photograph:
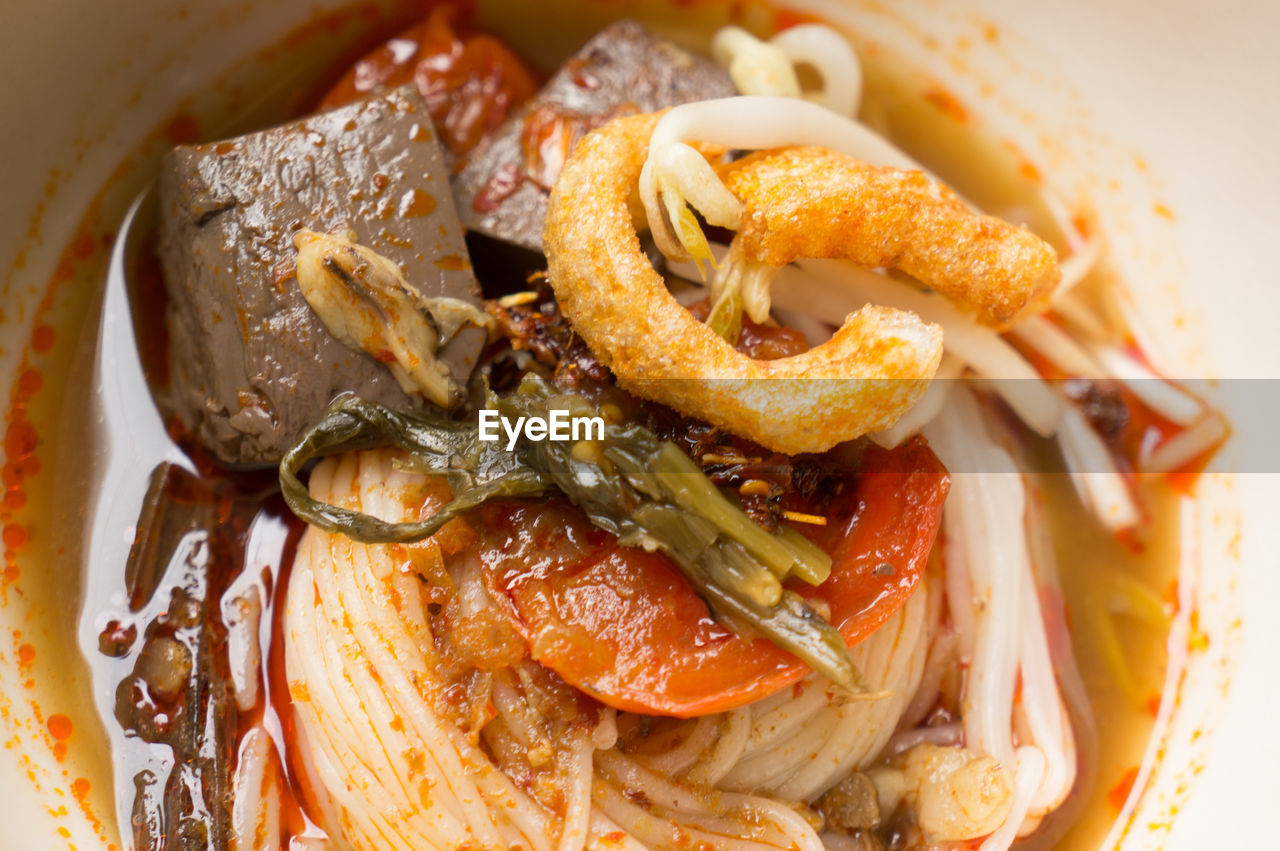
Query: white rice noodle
(984, 517)
(973, 344)
(942, 657)
(961, 603)
(1094, 474)
(255, 809)
(697, 738)
(576, 779)
(1077, 265)
(607, 835)
(605, 735)
(1075, 312)
(675, 811)
(800, 746)
(1027, 777)
(387, 772)
(727, 750)
(1186, 446)
(358, 659)
(1040, 706)
(1164, 397)
(1077, 242)
(997, 614)
(1056, 346)
(922, 412)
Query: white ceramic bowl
(1160, 113)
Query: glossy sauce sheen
(623, 625)
(471, 83)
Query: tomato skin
(470, 84)
(624, 625)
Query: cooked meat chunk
(852, 805)
(252, 365)
(502, 191)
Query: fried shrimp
(881, 359)
(814, 202)
(1005, 274)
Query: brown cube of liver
(252, 365)
(502, 191)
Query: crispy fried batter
(620, 306)
(813, 202)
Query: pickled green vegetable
(647, 492)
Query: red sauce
(43, 338)
(759, 340)
(149, 312)
(550, 134)
(15, 536)
(1145, 428)
(624, 626)
(947, 103)
(59, 727)
(1119, 793)
(784, 19)
(276, 703)
(470, 81)
(500, 187)
(182, 130)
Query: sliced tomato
(624, 625)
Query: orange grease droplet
(1119, 793)
(20, 440)
(416, 203)
(43, 338)
(15, 536)
(451, 263)
(84, 246)
(60, 728)
(947, 103)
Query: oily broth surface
(1125, 717)
(918, 114)
(915, 112)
